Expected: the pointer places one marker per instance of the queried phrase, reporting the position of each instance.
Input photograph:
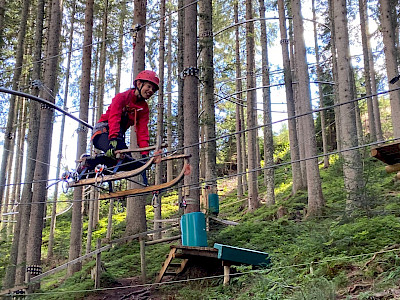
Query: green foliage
(4, 257)
(364, 235)
(314, 258)
(316, 288)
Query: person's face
(147, 89)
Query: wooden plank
(165, 220)
(171, 157)
(137, 235)
(187, 252)
(149, 148)
(117, 176)
(226, 222)
(168, 239)
(207, 249)
(147, 189)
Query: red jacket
(126, 110)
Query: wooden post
(227, 271)
(109, 223)
(98, 266)
(143, 258)
(28, 282)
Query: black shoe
(82, 165)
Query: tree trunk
(352, 165)
(239, 105)
(76, 222)
(375, 100)
(136, 206)
(190, 107)
(9, 279)
(44, 145)
(6, 207)
(10, 130)
(2, 14)
(267, 115)
(335, 76)
(360, 131)
(23, 218)
(315, 197)
(120, 46)
(160, 168)
(251, 111)
(179, 118)
(297, 106)
(61, 142)
(364, 38)
(103, 59)
(390, 50)
(320, 91)
(207, 76)
(170, 166)
(293, 141)
(18, 162)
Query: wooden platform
(388, 153)
(220, 256)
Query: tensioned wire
(106, 39)
(197, 185)
(260, 271)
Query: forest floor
(127, 289)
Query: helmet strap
(140, 96)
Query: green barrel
(193, 227)
(213, 204)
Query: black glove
(111, 148)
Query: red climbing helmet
(148, 75)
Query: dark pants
(102, 143)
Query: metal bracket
(207, 34)
(81, 129)
(191, 71)
(37, 84)
(154, 200)
(45, 106)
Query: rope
(260, 271)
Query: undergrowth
(332, 256)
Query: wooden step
(170, 273)
(176, 265)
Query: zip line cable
(111, 37)
(286, 119)
(45, 102)
(198, 184)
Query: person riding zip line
(127, 108)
